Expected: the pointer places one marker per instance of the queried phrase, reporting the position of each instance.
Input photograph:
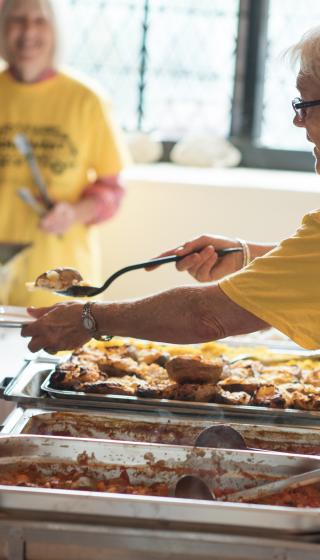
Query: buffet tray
(287, 415)
(30, 388)
(224, 471)
(150, 428)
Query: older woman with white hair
(77, 145)
(264, 286)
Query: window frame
(247, 98)
(247, 102)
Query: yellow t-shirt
(74, 139)
(283, 287)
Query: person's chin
(316, 154)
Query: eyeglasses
(300, 107)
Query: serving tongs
(23, 145)
(226, 437)
(90, 291)
(194, 488)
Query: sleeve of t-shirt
(108, 150)
(283, 287)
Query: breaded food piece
(272, 396)
(305, 401)
(194, 369)
(235, 384)
(127, 385)
(197, 392)
(70, 376)
(117, 366)
(280, 374)
(164, 389)
(99, 355)
(236, 398)
(312, 377)
(58, 279)
(153, 356)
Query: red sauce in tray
(304, 497)
(78, 478)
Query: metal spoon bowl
(220, 437)
(191, 487)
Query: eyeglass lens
(300, 112)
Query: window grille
(180, 66)
(168, 65)
(287, 22)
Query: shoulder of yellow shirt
(85, 85)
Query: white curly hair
(306, 53)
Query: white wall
(166, 205)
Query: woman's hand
(201, 260)
(57, 328)
(60, 219)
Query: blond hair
(307, 53)
(5, 10)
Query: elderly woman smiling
(264, 286)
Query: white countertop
(13, 352)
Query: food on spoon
(57, 279)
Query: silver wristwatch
(90, 324)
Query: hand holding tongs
(23, 145)
(90, 291)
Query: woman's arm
(99, 202)
(182, 315)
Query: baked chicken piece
(272, 396)
(234, 384)
(126, 385)
(312, 377)
(228, 397)
(70, 376)
(194, 369)
(205, 392)
(58, 279)
(112, 363)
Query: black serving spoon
(90, 291)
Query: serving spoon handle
(90, 291)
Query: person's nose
(297, 121)
(28, 27)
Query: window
(180, 66)
(287, 23)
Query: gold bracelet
(246, 252)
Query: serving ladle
(90, 291)
(194, 488)
(220, 436)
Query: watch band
(90, 324)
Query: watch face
(88, 323)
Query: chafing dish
(151, 428)
(29, 388)
(223, 471)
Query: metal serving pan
(96, 399)
(147, 464)
(150, 428)
(30, 389)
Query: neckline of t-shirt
(31, 87)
